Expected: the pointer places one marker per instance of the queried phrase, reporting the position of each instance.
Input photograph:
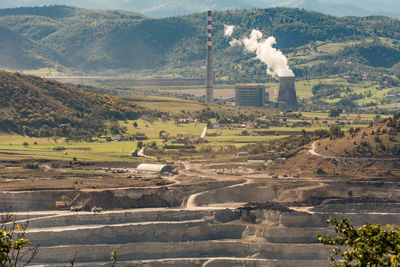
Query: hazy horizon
(159, 9)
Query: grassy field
(93, 151)
(332, 48)
(44, 72)
(177, 106)
(237, 139)
(12, 148)
(167, 104)
(152, 129)
(191, 129)
(350, 117)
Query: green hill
(99, 42)
(375, 55)
(73, 33)
(19, 52)
(39, 107)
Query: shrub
(32, 166)
(15, 249)
(336, 131)
(321, 133)
(320, 171)
(56, 165)
(369, 245)
(335, 112)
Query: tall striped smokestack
(210, 74)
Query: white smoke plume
(228, 30)
(276, 61)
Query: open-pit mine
(200, 219)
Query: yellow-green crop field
(12, 148)
(152, 129)
(168, 104)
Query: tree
(336, 131)
(321, 133)
(333, 113)
(153, 145)
(135, 124)
(369, 245)
(140, 144)
(320, 171)
(161, 133)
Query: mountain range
(162, 8)
(111, 42)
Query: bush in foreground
(15, 248)
(369, 245)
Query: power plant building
(253, 96)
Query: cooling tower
(287, 93)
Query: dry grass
(365, 144)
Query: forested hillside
(19, 52)
(38, 107)
(115, 42)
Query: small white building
(256, 162)
(242, 154)
(153, 168)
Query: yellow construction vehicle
(66, 202)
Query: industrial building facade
(253, 96)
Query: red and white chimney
(209, 29)
(210, 74)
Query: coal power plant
(256, 96)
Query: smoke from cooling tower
(276, 61)
(228, 30)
